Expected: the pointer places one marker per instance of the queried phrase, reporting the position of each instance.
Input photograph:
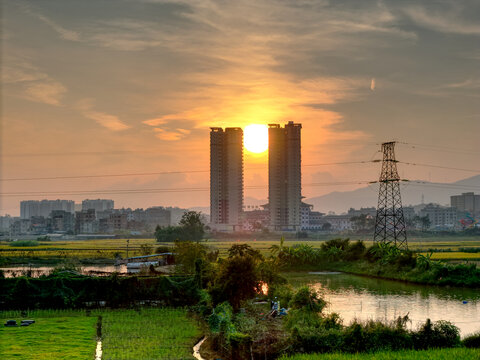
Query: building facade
(284, 176)
(441, 217)
(29, 208)
(226, 179)
(98, 204)
(467, 203)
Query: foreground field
(55, 335)
(147, 334)
(439, 354)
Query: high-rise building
(97, 204)
(29, 208)
(226, 178)
(284, 176)
(467, 202)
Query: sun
(255, 138)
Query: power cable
(159, 190)
(167, 172)
(439, 167)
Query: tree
(168, 233)
(244, 250)
(327, 226)
(237, 280)
(425, 222)
(191, 229)
(192, 225)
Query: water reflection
(355, 297)
(37, 271)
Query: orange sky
(133, 87)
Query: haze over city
(133, 88)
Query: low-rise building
(441, 217)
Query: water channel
(363, 298)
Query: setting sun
(256, 138)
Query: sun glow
(255, 138)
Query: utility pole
(390, 222)
(128, 241)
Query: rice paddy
(147, 334)
(449, 247)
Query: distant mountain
(340, 202)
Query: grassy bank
(437, 354)
(433, 276)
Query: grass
(55, 335)
(437, 354)
(147, 334)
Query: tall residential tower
(284, 176)
(226, 178)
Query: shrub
(436, 335)
(308, 299)
(472, 341)
(355, 251)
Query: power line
(439, 148)
(440, 167)
(158, 190)
(167, 172)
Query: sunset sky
(122, 87)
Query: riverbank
(459, 275)
(437, 354)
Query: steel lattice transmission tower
(389, 222)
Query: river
(364, 298)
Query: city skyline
(133, 87)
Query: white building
(29, 208)
(98, 204)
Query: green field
(55, 335)
(152, 333)
(148, 334)
(438, 354)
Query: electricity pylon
(389, 222)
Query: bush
(355, 251)
(308, 299)
(472, 341)
(436, 335)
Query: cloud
(448, 21)
(155, 121)
(468, 84)
(170, 135)
(48, 92)
(108, 121)
(34, 84)
(63, 32)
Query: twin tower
(284, 178)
